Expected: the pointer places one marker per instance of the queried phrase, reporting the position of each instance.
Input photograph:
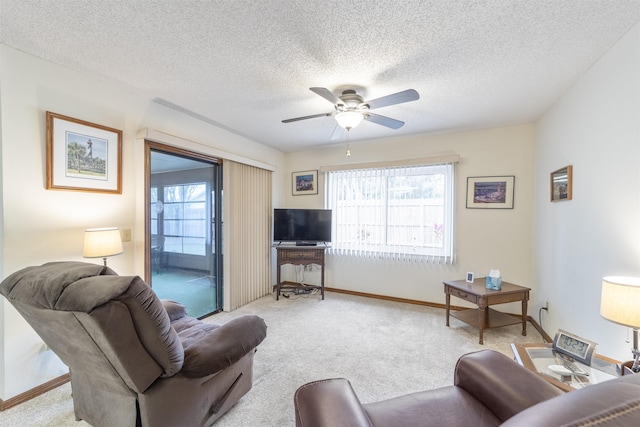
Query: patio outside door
(184, 223)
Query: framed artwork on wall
(561, 183)
(490, 192)
(83, 156)
(305, 182)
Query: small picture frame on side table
(470, 277)
(304, 182)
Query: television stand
(299, 255)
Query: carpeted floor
(384, 348)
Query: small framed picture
(561, 181)
(83, 156)
(305, 182)
(490, 192)
(470, 277)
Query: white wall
(595, 128)
(485, 238)
(42, 225)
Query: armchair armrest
(500, 384)
(174, 309)
(211, 348)
(329, 403)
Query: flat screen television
(303, 226)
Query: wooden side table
(299, 255)
(485, 317)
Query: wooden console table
(299, 255)
(484, 317)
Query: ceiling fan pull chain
(348, 151)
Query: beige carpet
(384, 348)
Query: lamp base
(636, 353)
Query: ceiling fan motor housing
(351, 99)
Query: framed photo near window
(561, 182)
(83, 156)
(305, 182)
(490, 192)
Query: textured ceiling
(247, 65)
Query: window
(402, 213)
(184, 217)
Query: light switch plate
(125, 234)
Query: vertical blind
(398, 212)
(247, 232)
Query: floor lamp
(620, 303)
(102, 243)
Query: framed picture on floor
(83, 156)
(490, 192)
(305, 182)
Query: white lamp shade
(349, 119)
(102, 242)
(620, 302)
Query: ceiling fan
(351, 109)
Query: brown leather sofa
(489, 390)
(134, 360)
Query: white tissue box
(494, 283)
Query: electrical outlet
(546, 305)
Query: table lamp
(620, 303)
(102, 243)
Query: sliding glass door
(184, 223)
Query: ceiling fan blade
(338, 133)
(308, 117)
(394, 98)
(384, 121)
(326, 94)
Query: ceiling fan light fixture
(349, 119)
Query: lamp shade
(620, 301)
(349, 119)
(102, 242)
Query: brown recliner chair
(134, 360)
(489, 390)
